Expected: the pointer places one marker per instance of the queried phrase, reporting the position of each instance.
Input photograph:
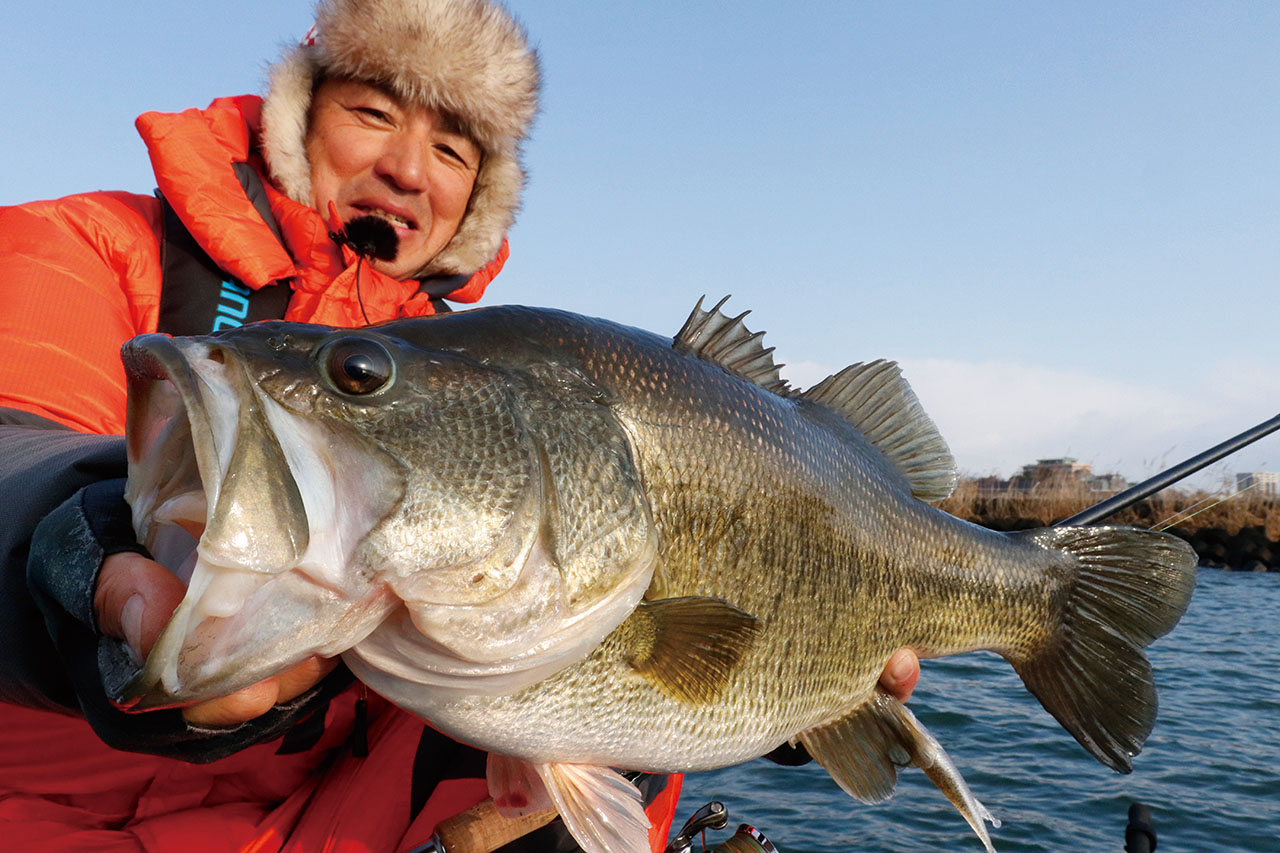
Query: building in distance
(1263, 482)
(1059, 473)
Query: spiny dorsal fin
(688, 647)
(878, 401)
(724, 340)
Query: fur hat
(466, 58)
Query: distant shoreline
(1239, 534)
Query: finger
(234, 708)
(304, 676)
(256, 699)
(134, 599)
(901, 674)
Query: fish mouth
(217, 497)
(181, 428)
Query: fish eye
(358, 366)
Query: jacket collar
(191, 153)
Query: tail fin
(1132, 586)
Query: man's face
(370, 153)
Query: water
(1210, 772)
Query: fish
(585, 547)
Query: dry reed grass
(1052, 501)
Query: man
(410, 111)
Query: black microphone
(370, 237)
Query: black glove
(69, 545)
(67, 551)
(42, 464)
(109, 518)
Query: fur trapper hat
(466, 58)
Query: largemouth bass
(581, 546)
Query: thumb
(901, 673)
(134, 599)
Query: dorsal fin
(723, 340)
(878, 401)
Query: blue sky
(1062, 219)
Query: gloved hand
(134, 599)
(90, 617)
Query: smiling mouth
(392, 218)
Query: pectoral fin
(515, 786)
(602, 810)
(864, 750)
(688, 647)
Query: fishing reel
(713, 815)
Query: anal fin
(688, 647)
(864, 750)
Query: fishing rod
(1167, 478)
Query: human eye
(372, 114)
(458, 150)
(449, 152)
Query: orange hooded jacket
(78, 277)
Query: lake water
(1210, 772)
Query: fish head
(311, 484)
(247, 480)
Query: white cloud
(999, 416)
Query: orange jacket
(78, 277)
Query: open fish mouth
(173, 447)
(218, 499)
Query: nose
(404, 161)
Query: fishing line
(1167, 478)
(1193, 508)
(1173, 520)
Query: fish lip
(192, 403)
(176, 414)
(150, 360)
